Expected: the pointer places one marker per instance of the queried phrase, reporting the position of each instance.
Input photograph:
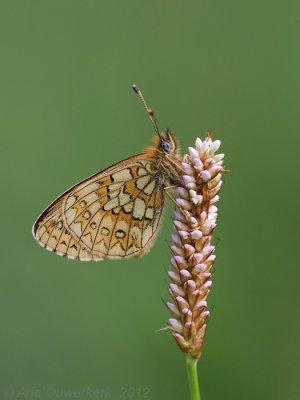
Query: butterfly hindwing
(113, 214)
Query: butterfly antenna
(149, 110)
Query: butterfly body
(114, 214)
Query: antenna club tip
(135, 88)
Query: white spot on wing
(139, 208)
(120, 234)
(128, 207)
(124, 198)
(142, 171)
(76, 228)
(104, 231)
(142, 182)
(111, 204)
(149, 188)
(70, 215)
(94, 208)
(113, 189)
(87, 214)
(122, 176)
(70, 201)
(91, 198)
(149, 213)
(92, 187)
(114, 186)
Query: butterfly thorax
(166, 159)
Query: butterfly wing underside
(114, 214)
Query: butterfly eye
(166, 146)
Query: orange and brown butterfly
(116, 213)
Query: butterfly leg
(170, 187)
(166, 188)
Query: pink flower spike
(188, 179)
(193, 221)
(208, 250)
(205, 175)
(203, 216)
(176, 325)
(198, 164)
(184, 204)
(196, 235)
(180, 225)
(189, 249)
(179, 261)
(205, 314)
(196, 293)
(173, 308)
(182, 192)
(184, 234)
(178, 216)
(208, 163)
(207, 285)
(204, 148)
(176, 290)
(211, 258)
(215, 199)
(193, 252)
(200, 304)
(198, 144)
(191, 185)
(218, 157)
(185, 274)
(193, 152)
(214, 146)
(185, 310)
(197, 257)
(182, 343)
(199, 268)
(187, 168)
(174, 276)
(214, 170)
(176, 239)
(178, 251)
(213, 209)
(191, 285)
(182, 302)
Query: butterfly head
(167, 142)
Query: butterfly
(116, 213)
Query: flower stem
(191, 366)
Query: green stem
(191, 366)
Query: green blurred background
(67, 110)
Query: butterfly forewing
(113, 214)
